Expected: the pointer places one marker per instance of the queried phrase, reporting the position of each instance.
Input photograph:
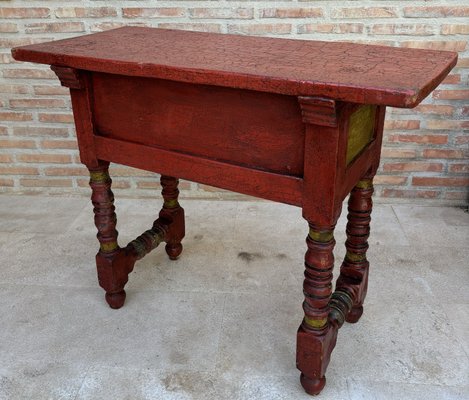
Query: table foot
(354, 315)
(116, 300)
(173, 250)
(313, 355)
(312, 386)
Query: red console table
(294, 121)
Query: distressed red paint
(261, 116)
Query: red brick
(444, 124)
(372, 41)
(452, 79)
(14, 89)
(13, 41)
(319, 28)
(454, 45)
(66, 171)
(459, 168)
(436, 11)
(451, 94)
(15, 116)
(443, 153)
(462, 62)
(291, 12)
(8, 27)
(389, 180)
(201, 27)
(415, 166)
(431, 139)
(435, 109)
(7, 182)
(49, 90)
(18, 171)
(17, 144)
(3, 130)
(41, 182)
(394, 124)
(44, 158)
(260, 29)
(455, 29)
(59, 144)
(88, 12)
(439, 181)
(148, 185)
(116, 184)
(364, 12)
(36, 12)
(53, 27)
(40, 131)
(37, 103)
(402, 29)
(406, 193)
(6, 158)
(153, 12)
(29, 73)
(456, 195)
(331, 28)
(223, 13)
(105, 26)
(57, 118)
(84, 183)
(128, 171)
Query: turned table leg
(173, 212)
(316, 335)
(112, 275)
(353, 277)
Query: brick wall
(425, 153)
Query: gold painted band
(365, 184)
(108, 247)
(99, 176)
(355, 257)
(315, 323)
(173, 203)
(323, 237)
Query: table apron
(281, 188)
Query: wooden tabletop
(399, 77)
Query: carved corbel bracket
(319, 111)
(69, 77)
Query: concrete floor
(220, 323)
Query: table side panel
(243, 127)
(360, 131)
(367, 161)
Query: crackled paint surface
(360, 73)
